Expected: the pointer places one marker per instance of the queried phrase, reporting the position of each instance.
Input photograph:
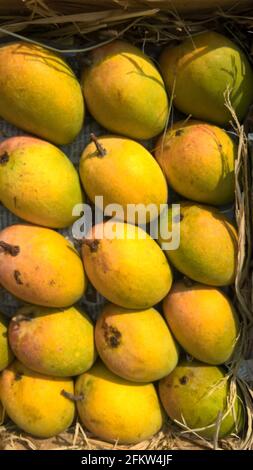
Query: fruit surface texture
(208, 244)
(124, 91)
(39, 93)
(201, 70)
(36, 402)
(198, 161)
(115, 409)
(57, 342)
(38, 182)
(203, 321)
(126, 265)
(195, 394)
(136, 345)
(144, 183)
(40, 266)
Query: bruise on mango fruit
(123, 340)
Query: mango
(196, 394)
(6, 355)
(198, 161)
(38, 182)
(39, 92)
(124, 92)
(208, 247)
(2, 413)
(123, 340)
(102, 165)
(37, 403)
(203, 320)
(201, 70)
(40, 266)
(57, 342)
(110, 255)
(117, 410)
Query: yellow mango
(117, 410)
(6, 355)
(123, 340)
(203, 321)
(40, 266)
(208, 244)
(38, 182)
(35, 402)
(102, 165)
(124, 91)
(194, 394)
(198, 161)
(39, 92)
(201, 70)
(57, 342)
(126, 265)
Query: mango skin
(35, 402)
(208, 245)
(45, 269)
(124, 91)
(201, 70)
(52, 341)
(145, 182)
(6, 355)
(117, 410)
(126, 265)
(39, 93)
(203, 321)
(198, 392)
(38, 182)
(123, 342)
(198, 161)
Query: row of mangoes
(126, 94)
(56, 367)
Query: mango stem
(101, 150)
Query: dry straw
(77, 26)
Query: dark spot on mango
(92, 244)
(17, 277)
(179, 132)
(4, 158)
(15, 201)
(12, 250)
(52, 282)
(112, 335)
(184, 380)
(18, 376)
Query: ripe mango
(6, 355)
(123, 340)
(39, 92)
(208, 244)
(198, 161)
(58, 342)
(102, 165)
(40, 266)
(200, 70)
(35, 402)
(203, 321)
(126, 265)
(117, 410)
(38, 182)
(195, 393)
(124, 91)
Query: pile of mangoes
(53, 359)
